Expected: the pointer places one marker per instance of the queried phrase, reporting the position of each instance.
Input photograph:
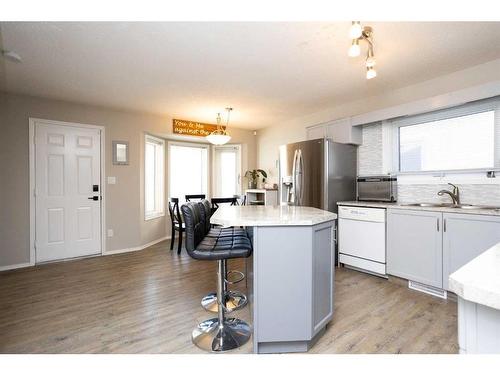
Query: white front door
(67, 178)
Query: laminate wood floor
(149, 301)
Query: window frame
(159, 188)
(492, 104)
(194, 145)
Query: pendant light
(220, 136)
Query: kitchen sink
(428, 204)
(450, 205)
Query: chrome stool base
(234, 301)
(211, 336)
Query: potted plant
(253, 176)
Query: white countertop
(257, 216)
(479, 280)
(404, 206)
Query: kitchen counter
(291, 273)
(479, 280)
(251, 216)
(404, 206)
(477, 285)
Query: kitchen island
(291, 273)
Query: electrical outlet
(111, 180)
(111, 233)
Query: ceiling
(269, 72)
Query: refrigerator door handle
(300, 177)
(294, 178)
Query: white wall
(294, 130)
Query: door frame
(33, 121)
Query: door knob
(94, 198)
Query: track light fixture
(359, 33)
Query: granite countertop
(404, 206)
(257, 216)
(479, 280)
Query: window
(462, 138)
(227, 170)
(188, 169)
(154, 177)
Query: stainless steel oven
(377, 188)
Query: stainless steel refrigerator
(317, 173)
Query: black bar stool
(189, 197)
(234, 300)
(221, 333)
(177, 224)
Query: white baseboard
(136, 248)
(119, 251)
(16, 266)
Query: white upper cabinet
(316, 132)
(339, 131)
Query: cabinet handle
(444, 225)
(437, 223)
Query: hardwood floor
(149, 301)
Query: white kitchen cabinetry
(316, 132)
(339, 131)
(343, 132)
(414, 246)
(464, 238)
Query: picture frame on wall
(120, 152)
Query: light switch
(111, 233)
(111, 180)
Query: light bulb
(354, 50)
(355, 31)
(371, 73)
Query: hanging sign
(198, 129)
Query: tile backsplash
(370, 162)
(471, 194)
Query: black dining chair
(194, 196)
(177, 224)
(241, 200)
(217, 201)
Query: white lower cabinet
(427, 247)
(414, 246)
(464, 238)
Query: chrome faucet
(455, 195)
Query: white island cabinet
(291, 276)
(477, 285)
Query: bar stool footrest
(237, 280)
(234, 301)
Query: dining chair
(177, 224)
(217, 201)
(241, 200)
(194, 196)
